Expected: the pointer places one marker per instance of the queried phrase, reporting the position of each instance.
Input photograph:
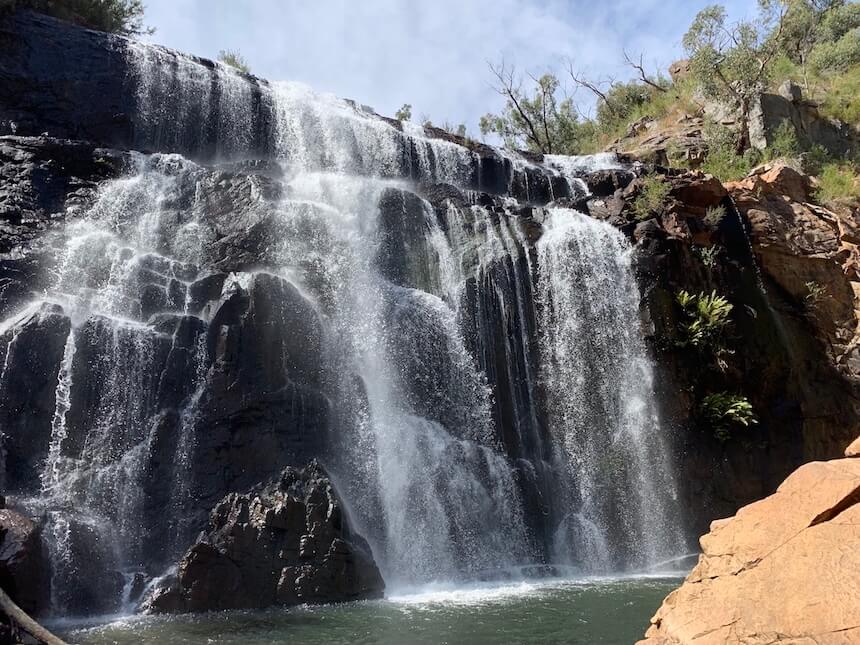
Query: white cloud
(430, 53)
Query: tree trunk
(744, 135)
(20, 620)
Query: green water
(587, 612)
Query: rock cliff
(189, 346)
(782, 570)
(762, 243)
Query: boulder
(264, 404)
(284, 544)
(696, 190)
(603, 183)
(783, 570)
(24, 568)
(680, 69)
(770, 111)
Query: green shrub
(815, 159)
(836, 56)
(815, 294)
(840, 98)
(784, 142)
(841, 20)
(115, 16)
(652, 196)
(837, 182)
(722, 160)
(629, 102)
(404, 113)
(235, 60)
(785, 68)
(726, 165)
(707, 318)
(724, 411)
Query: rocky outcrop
(810, 251)
(220, 371)
(805, 405)
(783, 570)
(788, 105)
(679, 141)
(24, 568)
(680, 69)
(71, 85)
(285, 544)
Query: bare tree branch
(729, 87)
(581, 81)
(774, 47)
(639, 67)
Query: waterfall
(51, 474)
(616, 466)
(324, 283)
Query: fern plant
(723, 411)
(708, 255)
(714, 215)
(708, 317)
(815, 294)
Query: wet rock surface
(810, 251)
(24, 565)
(231, 353)
(33, 348)
(287, 543)
(40, 178)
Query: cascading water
(616, 471)
(481, 399)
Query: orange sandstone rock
(785, 569)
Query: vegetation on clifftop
(234, 59)
(115, 16)
(814, 43)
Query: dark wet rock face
(287, 543)
(24, 567)
(40, 177)
(32, 349)
(94, 103)
(604, 183)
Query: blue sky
(430, 53)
